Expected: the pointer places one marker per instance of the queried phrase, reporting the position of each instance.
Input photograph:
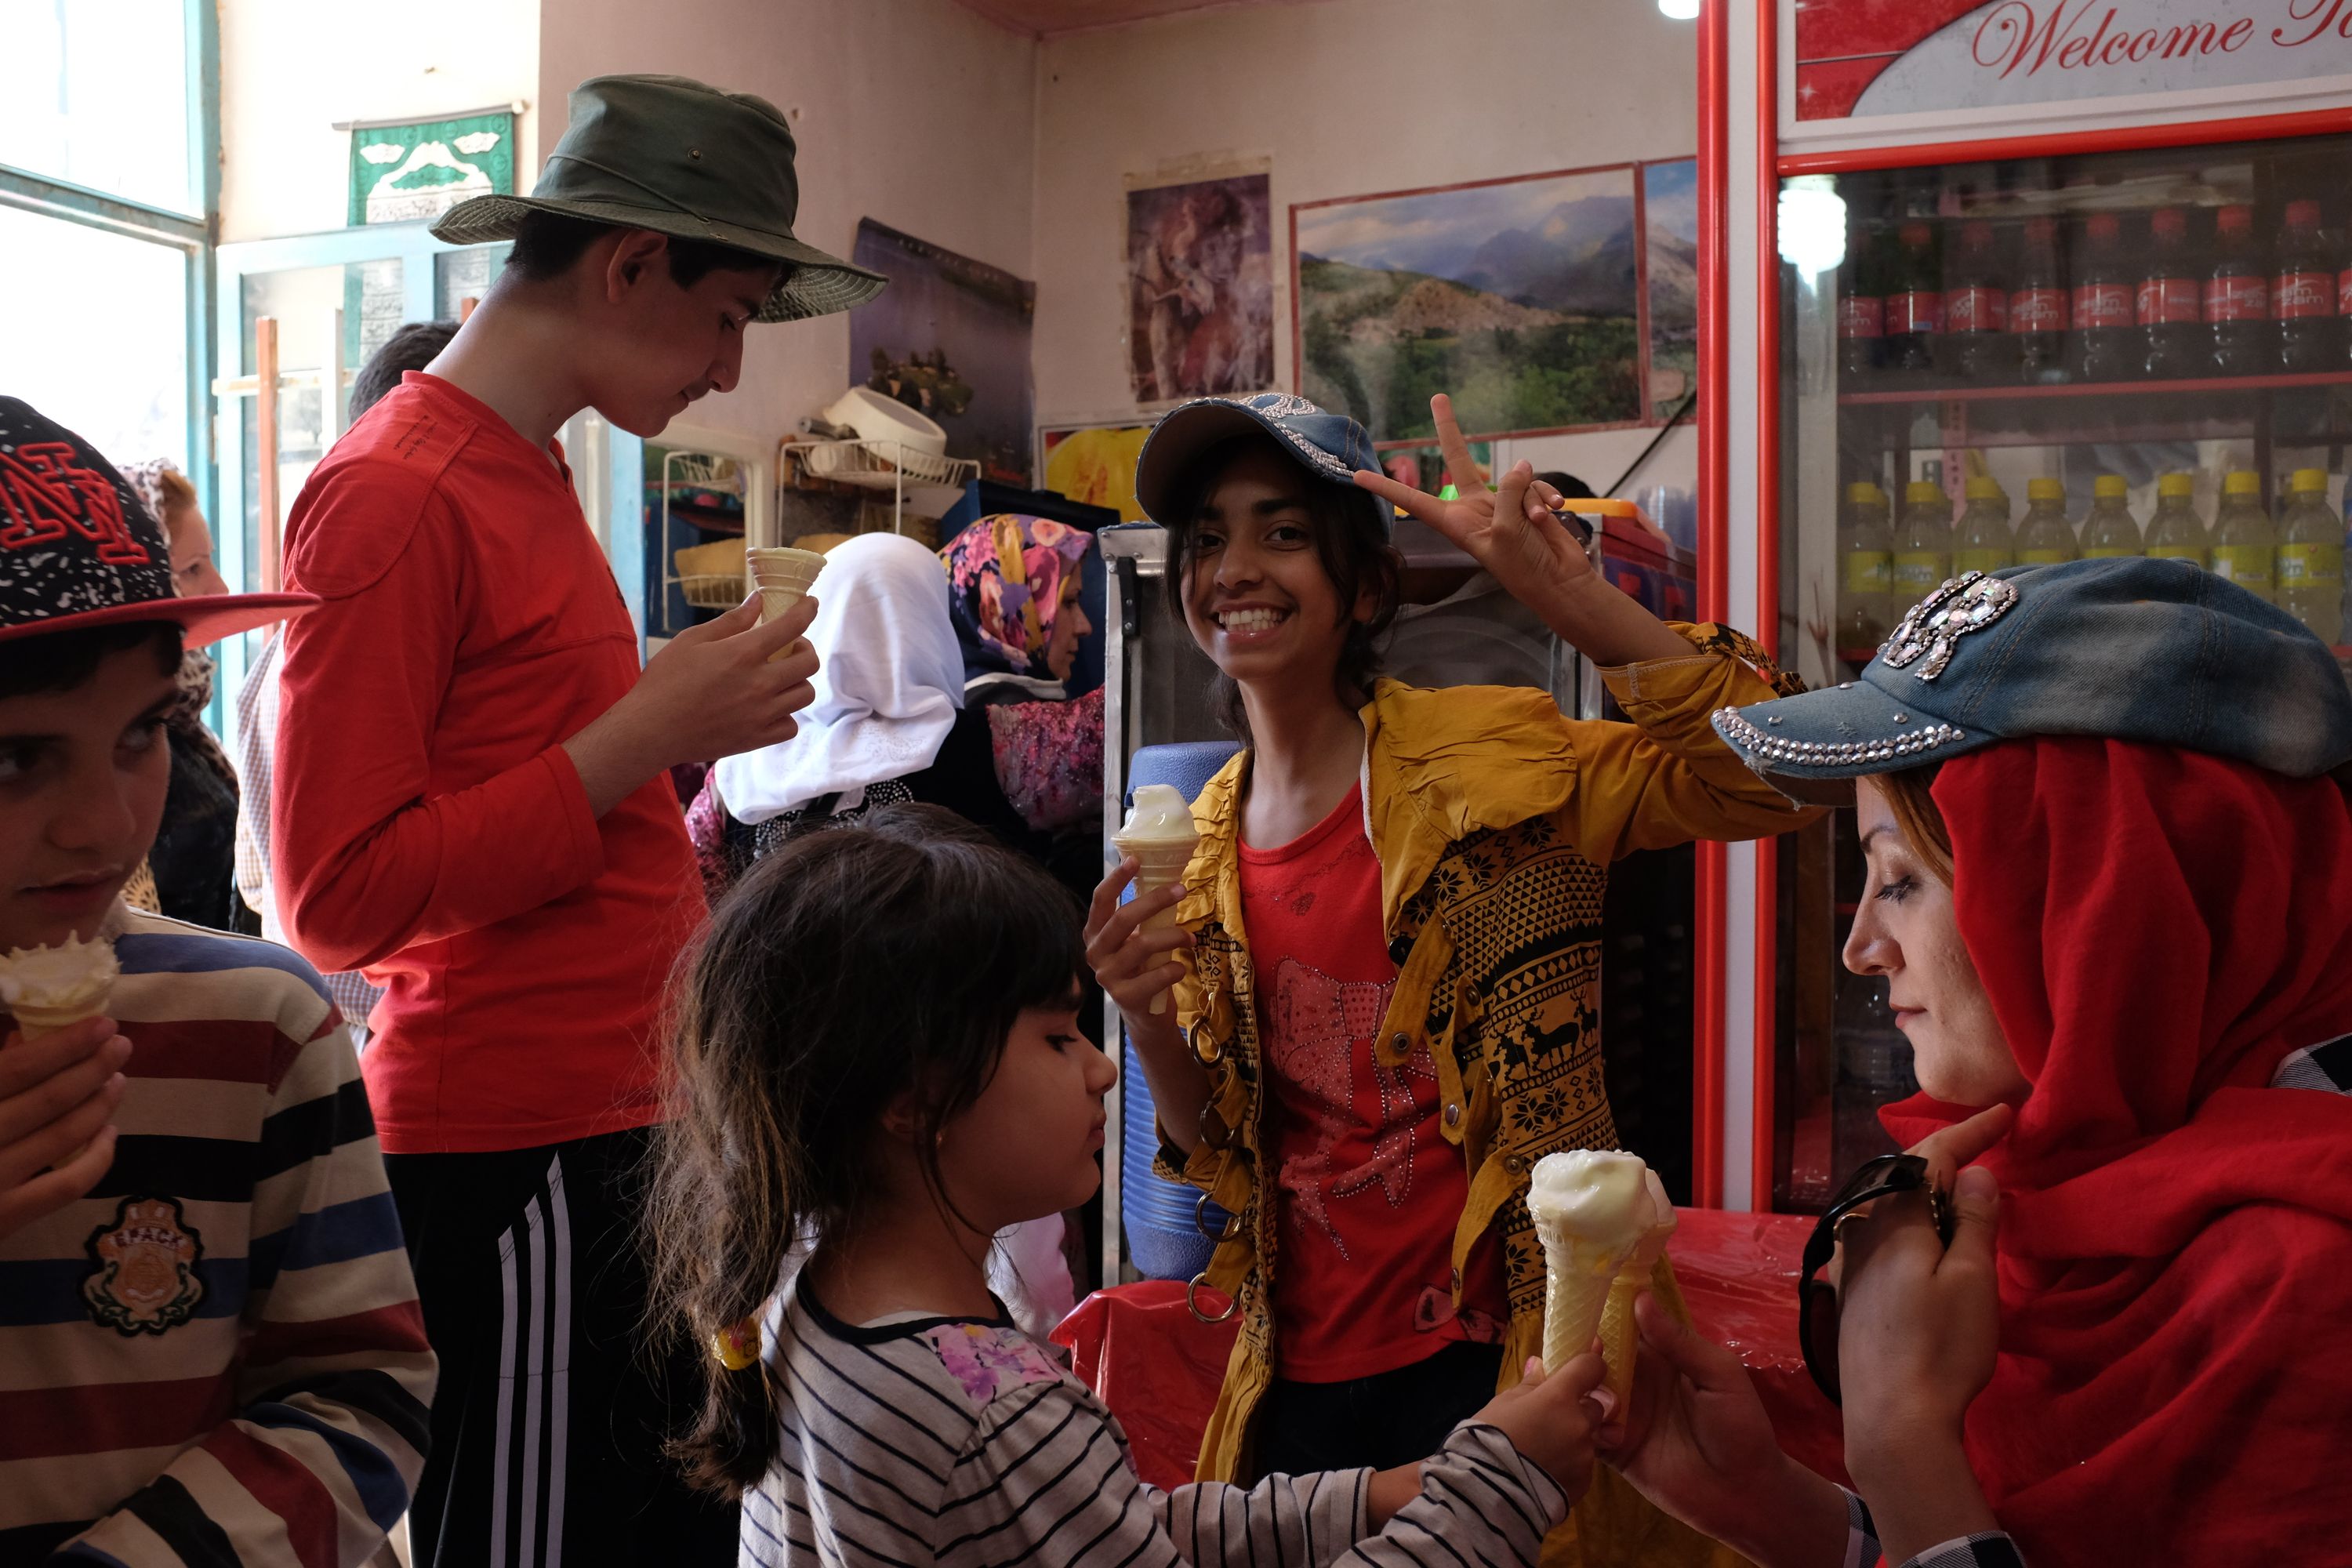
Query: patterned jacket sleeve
(318, 1459)
(1049, 1481)
(1667, 778)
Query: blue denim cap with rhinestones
(1330, 447)
(2132, 648)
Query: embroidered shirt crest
(144, 1279)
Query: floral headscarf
(1007, 576)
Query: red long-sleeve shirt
(429, 827)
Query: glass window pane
(105, 354)
(2013, 364)
(462, 275)
(304, 301)
(98, 95)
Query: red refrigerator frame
(1740, 91)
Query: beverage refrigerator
(1982, 285)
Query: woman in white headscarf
(888, 722)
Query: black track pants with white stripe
(547, 1423)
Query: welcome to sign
(1857, 58)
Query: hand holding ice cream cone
(1160, 837)
(45, 988)
(781, 578)
(48, 989)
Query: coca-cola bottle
(2344, 300)
(2105, 344)
(1862, 309)
(2303, 295)
(2038, 307)
(1915, 306)
(2240, 336)
(1976, 311)
(2169, 296)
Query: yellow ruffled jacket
(1493, 818)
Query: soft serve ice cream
(45, 988)
(1603, 1219)
(1159, 835)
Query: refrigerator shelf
(2094, 389)
(2290, 411)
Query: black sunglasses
(1817, 1300)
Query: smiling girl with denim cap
(1392, 1007)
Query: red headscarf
(2157, 928)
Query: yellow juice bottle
(1981, 541)
(2311, 557)
(2246, 541)
(2174, 531)
(2109, 529)
(1866, 582)
(1922, 543)
(2045, 537)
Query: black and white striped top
(959, 1442)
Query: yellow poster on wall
(1095, 464)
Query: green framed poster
(401, 173)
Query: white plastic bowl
(876, 416)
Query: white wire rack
(721, 475)
(877, 466)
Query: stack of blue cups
(1170, 1228)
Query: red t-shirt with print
(1367, 1191)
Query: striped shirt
(216, 1355)
(959, 1443)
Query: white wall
(1347, 97)
(291, 68)
(925, 116)
(917, 113)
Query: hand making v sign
(1513, 533)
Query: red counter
(1158, 1367)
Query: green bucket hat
(670, 154)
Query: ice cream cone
(1604, 1220)
(1159, 835)
(1160, 863)
(783, 579)
(1619, 1341)
(1577, 1278)
(47, 989)
(39, 1023)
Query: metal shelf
(2094, 389)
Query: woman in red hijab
(2111, 891)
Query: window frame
(195, 237)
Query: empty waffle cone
(782, 578)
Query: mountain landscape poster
(1670, 276)
(1520, 297)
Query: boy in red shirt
(471, 802)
